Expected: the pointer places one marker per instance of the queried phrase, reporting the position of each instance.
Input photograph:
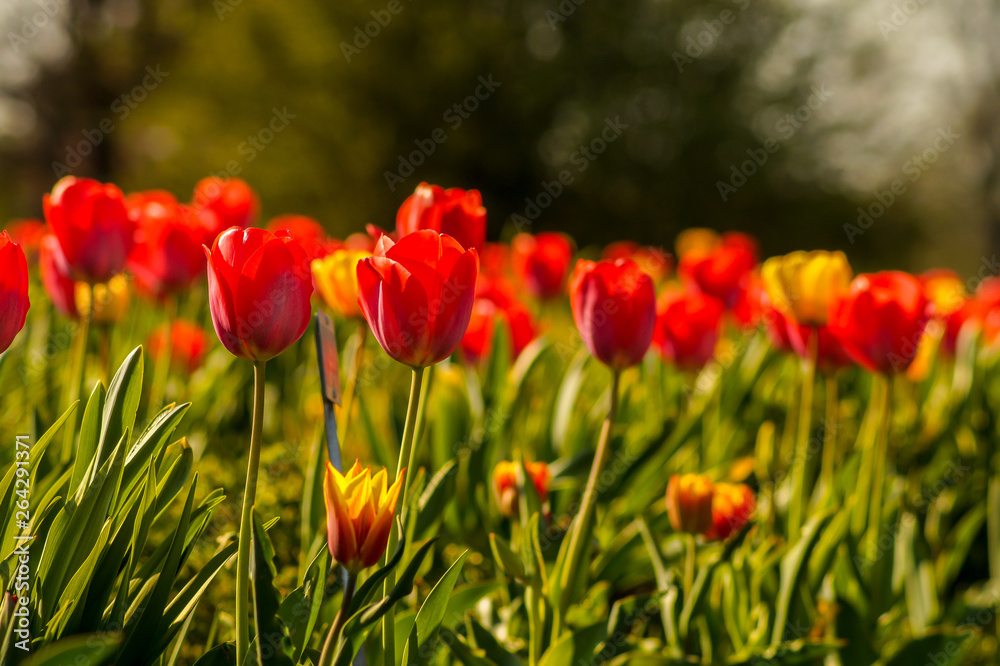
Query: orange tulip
(689, 503)
(505, 483)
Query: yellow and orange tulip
(505, 483)
(359, 515)
(335, 277)
(689, 503)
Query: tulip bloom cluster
(696, 505)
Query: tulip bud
(732, 506)
(687, 327)
(880, 320)
(541, 262)
(689, 503)
(14, 302)
(93, 226)
(614, 307)
(259, 287)
(455, 212)
(505, 484)
(233, 202)
(188, 344)
(359, 515)
(417, 295)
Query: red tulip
(495, 303)
(58, 284)
(455, 212)
(234, 203)
(92, 224)
(495, 261)
(880, 320)
(28, 234)
(259, 286)
(417, 295)
(188, 344)
(541, 262)
(168, 256)
(308, 232)
(687, 327)
(732, 506)
(655, 261)
(13, 290)
(614, 307)
(721, 270)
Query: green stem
(689, 562)
(830, 437)
(405, 454)
(329, 652)
(879, 466)
(78, 371)
(352, 383)
(800, 461)
(246, 532)
(867, 435)
(584, 519)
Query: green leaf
(361, 622)
(432, 614)
(463, 652)
(576, 647)
(793, 570)
(300, 609)
(465, 597)
(92, 649)
(138, 649)
(946, 648)
(270, 630)
(438, 492)
(220, 655)
(488, 643)
(374, 582)
(121, 404)
(150, 443)
(90, 431)
(508, 561)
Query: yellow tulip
(112, 300)
(359, 515)
(336, 280)
(802, 285)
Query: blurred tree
(657, 116)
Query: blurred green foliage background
(838, 97)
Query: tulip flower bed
(483, 453)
